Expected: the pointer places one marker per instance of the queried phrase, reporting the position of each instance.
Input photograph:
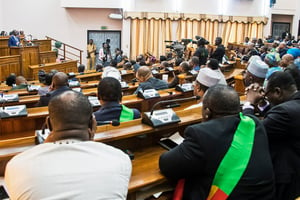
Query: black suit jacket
(44, 100)
(218, 53)
(199, 156)
(282, 123)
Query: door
(100, 37)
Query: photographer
(201, 52)
(105, 53)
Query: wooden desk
(9, 64)
(29, 56)
(67, 66)
(44, 45)
(90, 76)
(47, 57)
(145, 171)
(11, 127)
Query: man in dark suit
(110, 96)
(59, 85)
(206, 145)
(220, 50)
(282, 126)
(147, 81)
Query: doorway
(100, 36)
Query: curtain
(150, 30)
(188, 29)
(148, 35)
(237, 31)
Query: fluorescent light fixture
(115, 16)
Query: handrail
(64, 51)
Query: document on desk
(172, 141)
(177, 138)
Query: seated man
(59, 85)
(147, 81)
(214, 65)
(110, 96)
(21, 83)
(282, 125)
(11, 80)
(111, 72)
(207, 164)
(183, 69)
(194, 63)
(256, 72)
(81, 68)
(46, 84)
(69, 165)
(206, 78)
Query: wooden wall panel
(47, 57)
(44, 45)
(9, 64)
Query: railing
(66, 51)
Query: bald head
(70, 111)
(229, 105)
(144, 73)
(60, 79)
(20, 80)
(286, 60)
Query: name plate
(124, 84)
(32, 88)
(9, 98)
(13, 111)
(123, 71)
(161, 117)
(193, 72)
(94, 101)
(154, 72)
(186, 87)
(74, 84)
(148, 94)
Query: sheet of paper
(177, 138)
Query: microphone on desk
(113, 123)
(165, 116)
(171, 101)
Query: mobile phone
(167, 143)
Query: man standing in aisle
(91, 54)
(220, 50)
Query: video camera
(177, 47)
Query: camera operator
(105, 53)
(201, 52)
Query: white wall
(287, 7)
(1, 17)
(69, 20)
(227, 7)
(47, 17)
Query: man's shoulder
(42, 150)
(218, 125)
(288, 107)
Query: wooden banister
(68, 51)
